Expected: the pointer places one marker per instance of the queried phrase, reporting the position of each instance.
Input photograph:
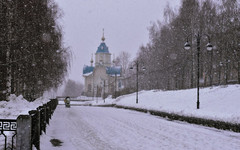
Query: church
(103, 78)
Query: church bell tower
(102, 56)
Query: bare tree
(73, 89)
(170, 67)
(123, 60)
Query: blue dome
(102, 48)
(87, 69)
(113, 70)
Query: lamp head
(209, 46)
(187, 46)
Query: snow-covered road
(99, 128)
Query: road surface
(99, 128)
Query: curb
(194, 120)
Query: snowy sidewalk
(94, 128)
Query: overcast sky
(125, 23)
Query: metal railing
(39, 119)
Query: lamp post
(187, 46)
(137, 70)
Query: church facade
(103, 78)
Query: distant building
(104, 78)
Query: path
(96, 128)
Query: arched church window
(119, 84)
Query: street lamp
(209, 47)
(137, 69)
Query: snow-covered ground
(217, 103)
(105, 128)
(13, 108)
(18, 105)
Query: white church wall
(100, 75)
(103, 59)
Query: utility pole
(115, 86)
(104, 91)
(137, 82)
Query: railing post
(45, 118)
(42, 112)
(24, 130)
(47, 113)
(35, 128)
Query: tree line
(73, 88)
(32, 56)
(170, 67)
